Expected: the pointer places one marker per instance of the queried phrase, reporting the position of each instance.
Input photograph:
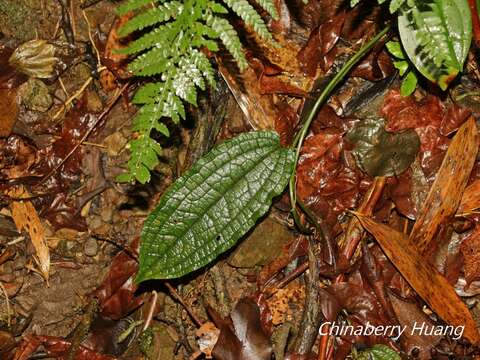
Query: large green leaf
(436, 36)
(380, 153)
(206, 211)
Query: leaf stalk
(322, 98)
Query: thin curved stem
(322, 98)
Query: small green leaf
(395, 49)
(395, 5)
(124, 178)
(380, 153)
(401, 66)
(207, 210)
(436, 36)
(378, 352)
(409, 84)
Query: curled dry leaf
(17, 157)
(116, 294)
(380, 153)
(26, 218)
(325, 183)
(54, 347)
(35, 58)
(432, 286)
(242, 336)
(446, 192)
(207, 338)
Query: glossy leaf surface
(436, 36)
(213, 205)
(380, 153)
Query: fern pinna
(172, 51)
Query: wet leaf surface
(380, 153)
(242, 337)
(446, 192)
(423, 277)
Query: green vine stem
(322, 98)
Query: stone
(262, 245)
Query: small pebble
(91, 247)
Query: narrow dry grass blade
(26, 218)
(432, 286)
(446, 192)
(470, 200)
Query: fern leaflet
(172, 50)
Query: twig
(87, 134)
(7, 301)
(73, 97)
(66, 22)
(312, 314)
(91, 37)
(88, 3)
(151, 310)
(177, 297)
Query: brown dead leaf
(9, 109)
(432, 286)
(26, 218)
(446, 192)
(470, 249)
(242, 336)
(207, 338)
(408, 313)
(470, 199)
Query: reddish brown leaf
(432, 287)
(454, 117)
(470, 249)
(116, 294)
(7, 345)
(321, 41)
(17, 157)
(242, 337)
(446, 192)
(404, 113)
(325, 183)
(9, 109)
(408, 313)
(55, 347)
(470, 199)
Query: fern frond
(229, 38)
(131, 5)
(151, 17)
(173, 52)
(269, 6)
(162, 34)
(248, 14)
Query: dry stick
(151, 310)
(7, 301)
(177, 297)
(349, 243)
(87, 134)
(312, 314)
